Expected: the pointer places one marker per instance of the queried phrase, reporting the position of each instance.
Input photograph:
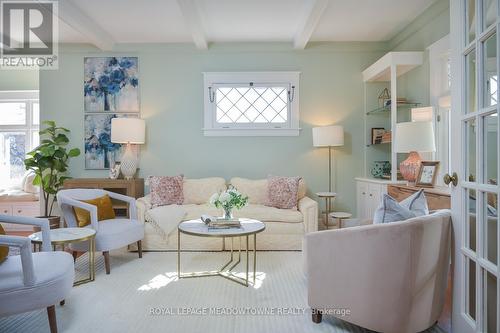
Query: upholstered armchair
(110, 234)
(389, 277)
(31, 281)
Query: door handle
(451, 179)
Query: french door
(475, 28)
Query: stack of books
(220, 223)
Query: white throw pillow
(392, 211)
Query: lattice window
(251, 104)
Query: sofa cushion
(199, 191)
(105, 210)
(269, 214)
(282, 192)
(256, 190)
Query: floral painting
(100, 152)
(111, 84)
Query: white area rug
(124, 300)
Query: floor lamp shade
(129, 131)
(413, 137)
(328, 136)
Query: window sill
(251, 131)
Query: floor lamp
(328, 136)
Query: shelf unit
(383, 74)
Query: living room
(317, 145)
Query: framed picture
(427, 173)
(100, 152)
(111, 84)
(377, 134)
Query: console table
(437, 197)
(129, 187)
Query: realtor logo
(28, 32)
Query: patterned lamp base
(409, 167)
(128, 165)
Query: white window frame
(29, 97)
(212, 80)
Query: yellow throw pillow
(4, 250)
(104, 210)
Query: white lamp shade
(128, 130)
(328, 136)
(415, 136)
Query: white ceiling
(105, 22)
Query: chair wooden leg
(75, 255)
(106, 261)
(317, 316)
(51, 312)
(139, 248)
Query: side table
(63, 236)
(328, 196)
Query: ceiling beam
(191, 15)
(79, 21)
(313, 11)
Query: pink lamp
(413, 137)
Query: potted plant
(228, 200)
(49, 162)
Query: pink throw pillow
(166, 190)
(282, 192)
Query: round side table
(63, 236)
(339, 216)
(328, 196)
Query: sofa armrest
(143, 205)
(309, 209)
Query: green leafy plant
(228, 200)
(49, 162)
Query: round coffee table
(199, 228)
(63, 236)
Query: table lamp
(413, 137)
(129, 131)
(328, 136)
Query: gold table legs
(91, 264)
(226, 271)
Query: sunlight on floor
(161, 280)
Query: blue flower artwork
(100, 152)
(111, 84)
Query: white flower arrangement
(228, 200)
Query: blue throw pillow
(392, 211)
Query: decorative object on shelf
(387, 137)
(413, 137)
(114, 171)
(111, 84)
(130, 131)
(427, 173)
(49, 162)
(377, 133)
(328, 136)
(384, 96)
(100, 151)
(380, 168)
(228, 200)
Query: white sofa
(285, 228)
(392, 277)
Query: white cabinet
(368, 195)
(27, 208)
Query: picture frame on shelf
(377, 134)
(427, 174)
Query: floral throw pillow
(282, 192)
(166, 190)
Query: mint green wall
(18, 80)
(171, 92)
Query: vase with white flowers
(228, 200)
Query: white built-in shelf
(403, 61)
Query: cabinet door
(375, 192)
(28, 209)
(361, 199)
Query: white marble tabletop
(64, 235)
(199, 228)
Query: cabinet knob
(371, 195)
(6, 211)
(451, 179)
(364, 193)
(19, 210)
